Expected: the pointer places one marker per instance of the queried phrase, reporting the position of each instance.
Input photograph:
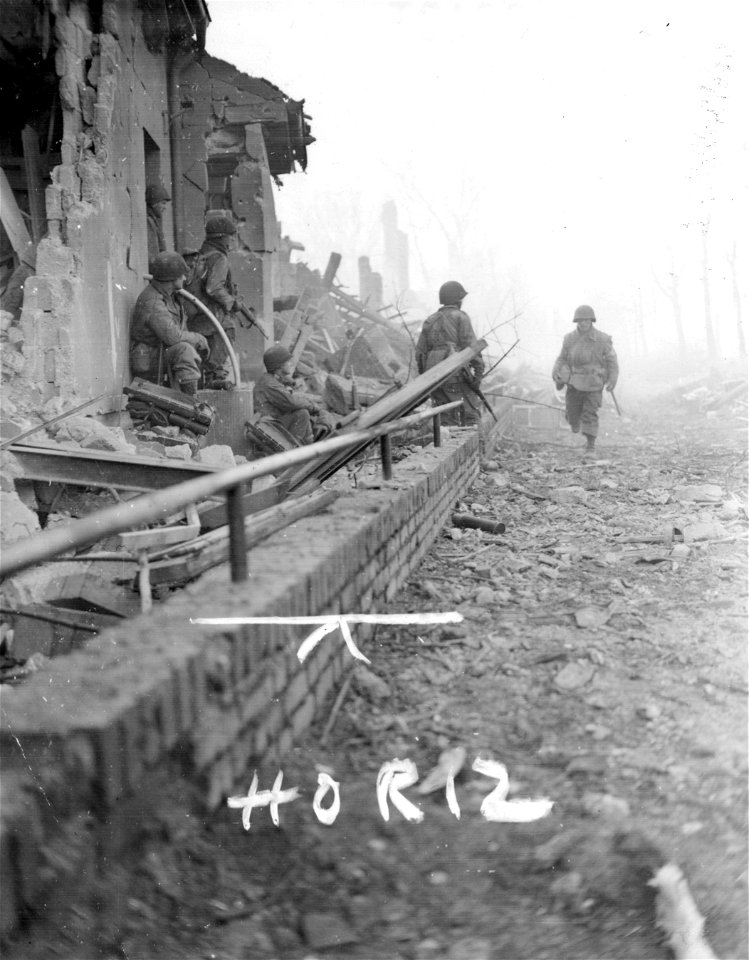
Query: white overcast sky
(567, 149)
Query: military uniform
(159, 321)
(447, 331)
(217, 292)
(274, 400)
(586, 363)
(156, 241)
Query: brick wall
(86, 739)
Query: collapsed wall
(90, 267)
(84, 745)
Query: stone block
(17, 522)
(217, 455)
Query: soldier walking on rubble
(157, 198)
(158, 331)
(275, 399)
(212, 284)
(447, 331)
(587, 363)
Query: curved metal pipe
(219, 329)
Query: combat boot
(590, 446)
(190, 387)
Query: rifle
(479, 393)
(249, 316)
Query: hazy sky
(565, 150)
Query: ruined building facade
(102, 99)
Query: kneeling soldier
(159, 324)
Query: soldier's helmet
(452, 292)
(584, 312)
(275, 357)
(220, 227)
(156, 192)
(168, 266)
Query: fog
(543, 154)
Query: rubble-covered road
(602, 659)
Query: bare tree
(712, 348)
(672, 294)
(737, 300)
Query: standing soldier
(212, 284)
(158, 325)
(447, 331)
(156, 200)
(587, 363)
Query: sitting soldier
(275, 399)
(158, 328)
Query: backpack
(437, 354)
(195, 281)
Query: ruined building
(102, 99)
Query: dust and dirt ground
(608, 675)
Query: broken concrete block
(10, 428)
(322, 930)
(9, 470)
(17, 522)
(113, 439)
(217, 455)
(370, 684)
(181, 451)
(6, 319)
(91, 434)
(574, 675)
(11, 360)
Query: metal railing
(155, 506)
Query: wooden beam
(34, 182)
(214, 548)
(390, 407)
(97, 468)
(12, 218)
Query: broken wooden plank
(99, 468)
(390, 407)
(180, 569)
(212, 513)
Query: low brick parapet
(85, 734)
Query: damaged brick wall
(90, 267)
(223, 153)
(85, 743)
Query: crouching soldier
(275, 399)
(159, 338)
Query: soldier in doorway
(212, 284)
(586, 364)
(157, 198)
(447, 331)
(159, 337)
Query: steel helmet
(156, 192)
(275, 357)
(168, 266)
(584, 312)
(220, 227)
(452, 292)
